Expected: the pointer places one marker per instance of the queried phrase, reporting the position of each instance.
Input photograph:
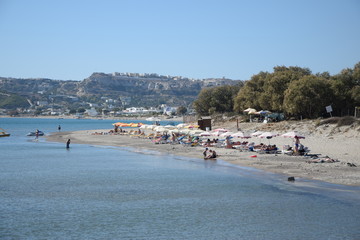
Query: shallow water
(88, 192)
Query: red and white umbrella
(292, 134)
(240, 135)
(226, 134)
(267, 135)
(205, 134)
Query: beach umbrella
(240, 135)
(264, 112)
(185, 131)
(192, 126)
(169, 127)
(292, 134)
(174, 131)
(195, 132)
(250, 110)
(267, 135)
(121, 124)
(181, 125)
(205, 134)
(220, 130)
(256, 134)
(160, 129)
(226, 134)
(153, 119)
(135, 124)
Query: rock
(291, 179)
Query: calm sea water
(90, 192)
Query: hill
(137, 89)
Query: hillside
(141, 89)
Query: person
(297, 143)
(59, 128)
(212, 154)
(37, 134)
(205, 152)
(68, 143)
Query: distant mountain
(142, 89)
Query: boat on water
(40, 133)
(3, 133)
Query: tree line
(294, 91)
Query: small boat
(3, 133)
(40, 133)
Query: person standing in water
(68, 143)
(59, 128)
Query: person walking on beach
(68, 143)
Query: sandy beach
(339, 143)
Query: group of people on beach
(209, 154)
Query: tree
(72, 111)
(81, 110)
(307, 97)
(216, 100)
(250, 94)
(181, 110)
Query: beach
(328, 141)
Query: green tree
(181, 110)
(345, 86)
(251, 94)
(307, 97)
(216, 100)
(81, 110)
(72, 111)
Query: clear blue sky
(71, 39)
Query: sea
(104, 192)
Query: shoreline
(296, 166)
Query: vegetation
(294, 91)
(216, 100)
(12, 101)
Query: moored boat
(3, 133)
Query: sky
(236, 39)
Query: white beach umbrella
(169, 127)
(153, 119)
(196, 132)
(160, 129)
(292, 134)
(226, 134)
(181, 125)
(250, 110)
(174, 131)
(205, 134)
(256, 134)
(144, 126)
(185, 131)
(240, 135)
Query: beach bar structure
(205, 123)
